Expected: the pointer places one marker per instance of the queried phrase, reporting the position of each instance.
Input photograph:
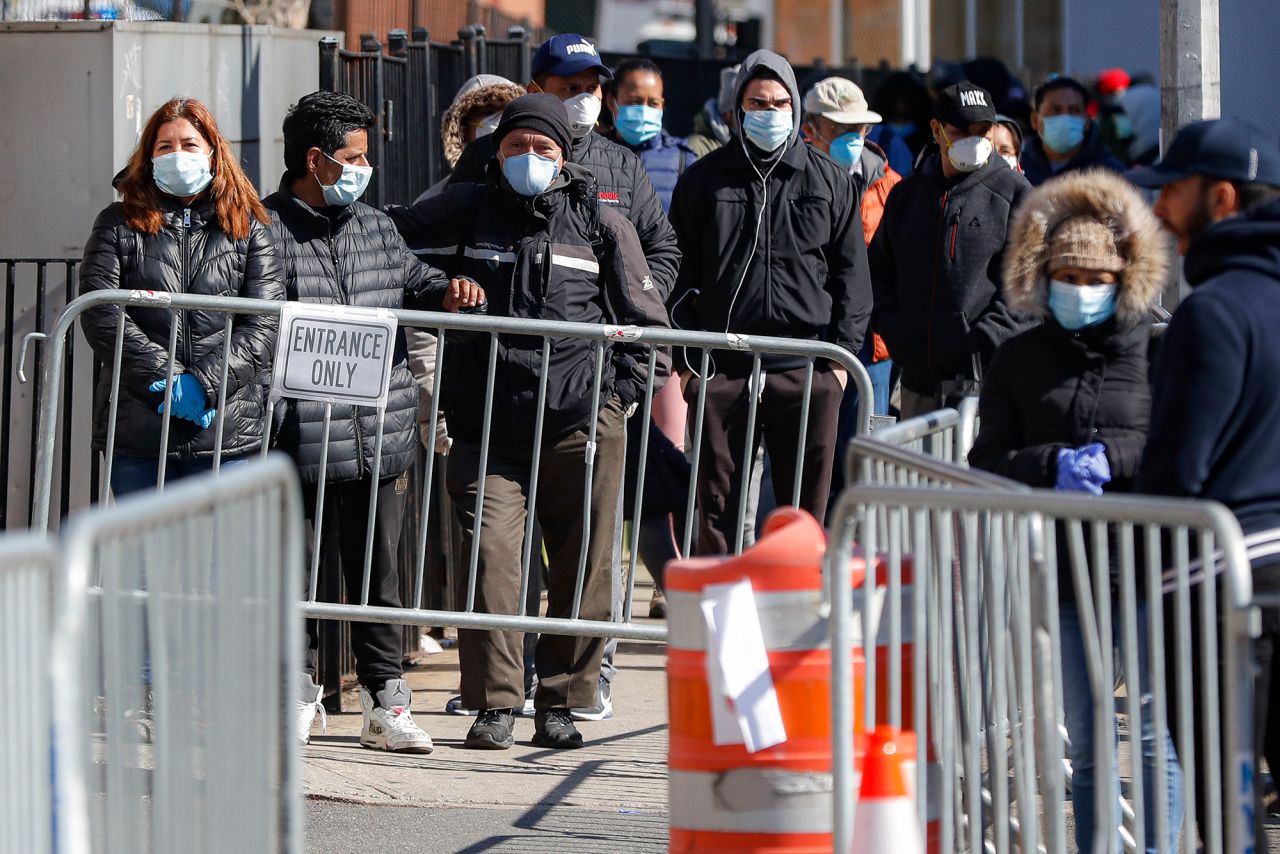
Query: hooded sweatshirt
(1215, 407)
(770, 246)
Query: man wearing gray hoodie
(772, 243)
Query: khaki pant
(568, 668)
(913, 403)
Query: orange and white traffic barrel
(885, 821)
(724, 797)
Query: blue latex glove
(205, 419)
(1083, 469)
(188, 398)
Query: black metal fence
(409, 85)
(35, 292)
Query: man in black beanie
(536, 239)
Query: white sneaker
(307, 709)
(388, 725)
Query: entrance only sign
(334, 353)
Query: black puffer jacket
(623, 186)
(190, 254)
(935, 269)
(802, 273)
(353, 256)
(534, 258)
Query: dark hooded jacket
(351, 255)
(535, 258)
(935, 269)
(1049, 388)
(622, 185)
(1215, 406)
(191, 254)
(802, 273)
(1093, 152)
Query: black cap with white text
(964, 104)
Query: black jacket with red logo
(936, 268)
(623, 186)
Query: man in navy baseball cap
(1213, 170)
(1214, 407)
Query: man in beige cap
(837, 122)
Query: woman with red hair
(189, 222)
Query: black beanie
(540, 112)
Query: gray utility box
(75, 96)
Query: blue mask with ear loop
(1076, 307)
(847, 148)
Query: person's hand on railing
(1083, 469)
(463, 294)
(187, 399)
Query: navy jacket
(1093, 152)
(664, 158)
(1214, 406)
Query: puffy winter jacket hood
(1250, 241)
(486, 99)
(767, 60)
(1106, 196)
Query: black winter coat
(535, 259)
(190, 254)
(623, 186)
(1050, 389)
(808, 275)
(354, 256)
(1215, 409)
(1093, 152)
(936, 270)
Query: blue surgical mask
(847, 148)
(528, 174)
(768, 129)
(349, 186)
(902, 129)
(1079, 306)
(1062, 133)
(182, 173)
(638, 123)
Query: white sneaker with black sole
(388, 725)
(308, 707)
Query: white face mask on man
(969, 154)
(584, 112)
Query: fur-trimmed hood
(488, 96)
(1110, 198)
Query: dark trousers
(1264, 741)
(378, 648)
(721, 478)
(568, 667)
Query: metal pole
(836, 23)
(907, 36)
(924, 35)
(1064, 62)
(1190, 76)
(970, 29)
(704, 17)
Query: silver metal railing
(985, 620)
(446, 327)
(174, 655)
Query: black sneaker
(554, 728)
(492, 730)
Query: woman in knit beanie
(1065, 405)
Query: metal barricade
(174, 661)
(26, 610)
(985, 616)
(947, 434)
(447, 327)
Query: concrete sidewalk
(610, 795)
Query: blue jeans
(1078, 708)
(135, 474)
